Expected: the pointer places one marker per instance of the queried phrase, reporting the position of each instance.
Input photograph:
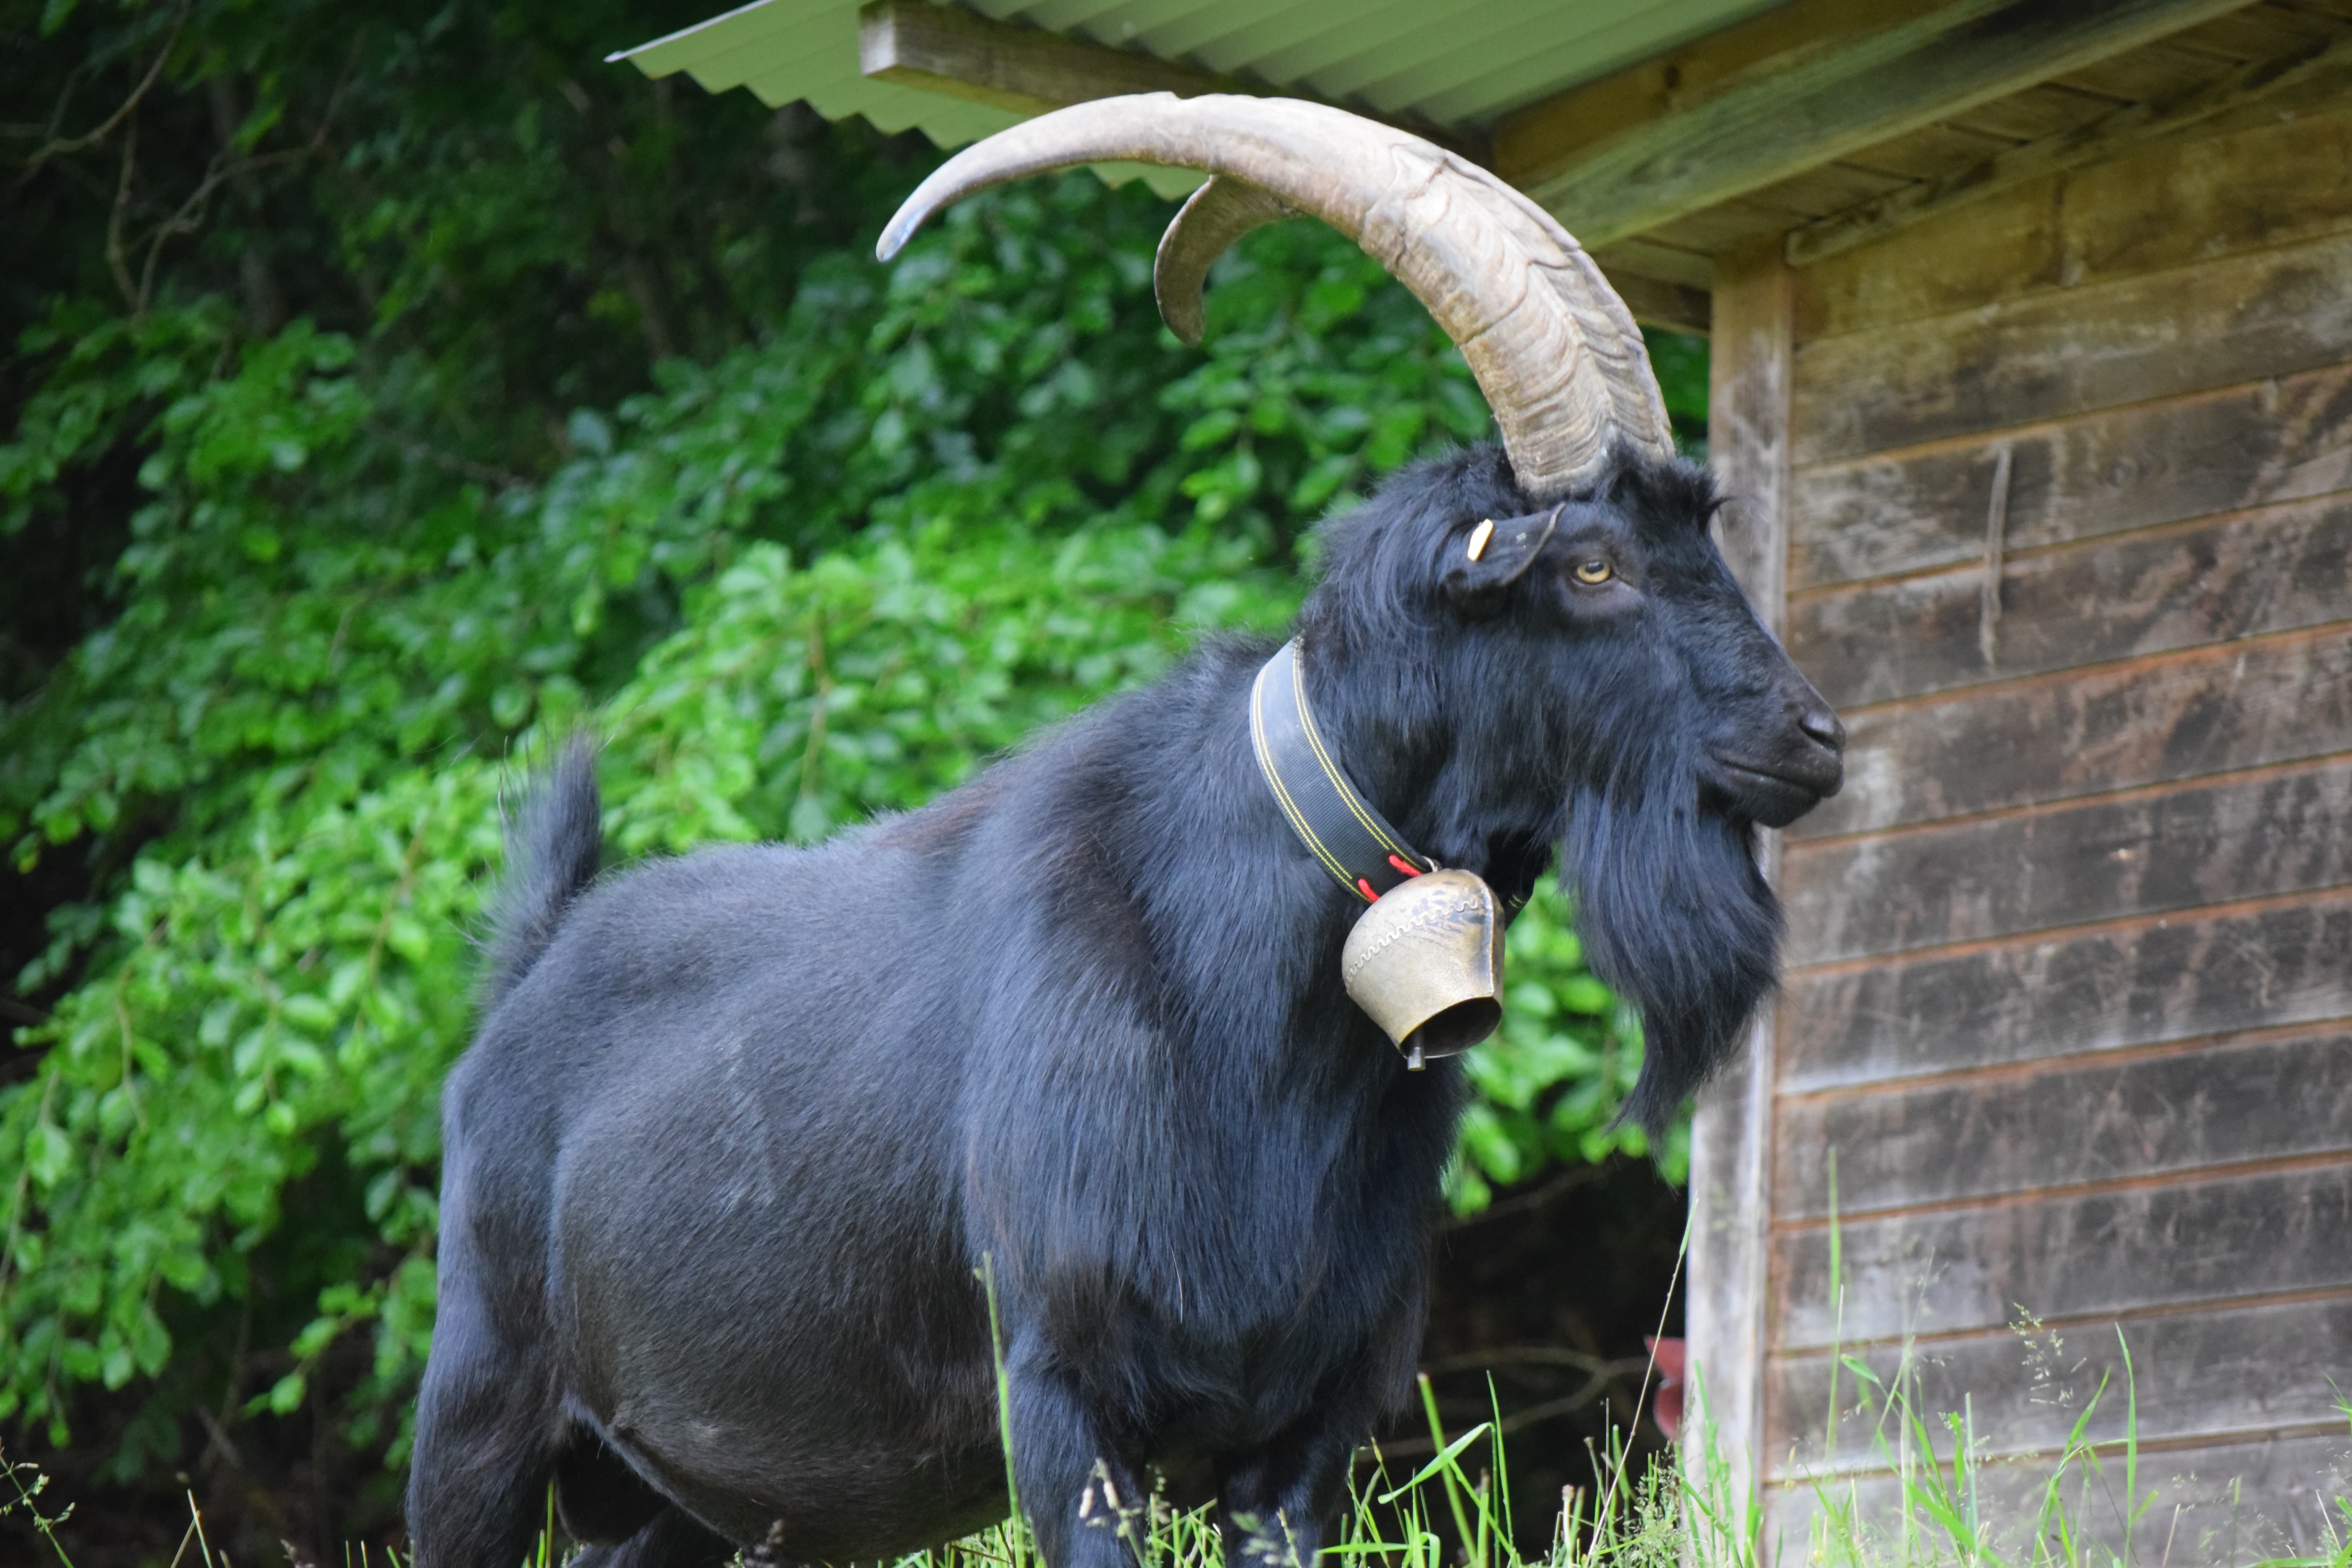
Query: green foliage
(437, 487)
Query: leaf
(1583, 993)
(49, 1155)
(1445, 1458)
(285, 1395)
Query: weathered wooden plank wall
(2069, 1002)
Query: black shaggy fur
(743, 1129)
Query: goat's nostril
(1824, 726)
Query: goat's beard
(1675, 916)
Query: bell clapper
(1413, 1059)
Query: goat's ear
(1495, 554)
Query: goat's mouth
(1774, 794)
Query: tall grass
(1934, 1493)
(1934, 1489)
(2092, 1506)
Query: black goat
(741, 1126)
(743, 1131)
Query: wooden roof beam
(967, 56)
(1801, 85)
(2320, 65)
(940, 49)
(1655, 302)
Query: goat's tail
(554, 843)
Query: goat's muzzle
(1426, 962)
(1775, 784)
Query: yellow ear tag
(1479, 540)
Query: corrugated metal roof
(1460, 63)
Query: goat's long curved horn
(1204, 229)
(1554, 349)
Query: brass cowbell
(1426, 962)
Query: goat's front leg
(1278, 1504)
(1085, 1500)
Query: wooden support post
(1731, 1143)
(1748, 417)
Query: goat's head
(1601, 689)
(1597, 683)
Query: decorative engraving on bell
(1426, 962)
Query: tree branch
(117, 260)
(59, 147)
(448, 462)
(224, 168)
(1520, 1202)
(22, 1011)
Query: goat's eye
(1594, 572)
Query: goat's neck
(1378, 733)
(1404, 752)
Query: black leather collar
(1340, 828)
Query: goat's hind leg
(671, 1541)
(486, 1441)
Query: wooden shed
(2033, 348)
